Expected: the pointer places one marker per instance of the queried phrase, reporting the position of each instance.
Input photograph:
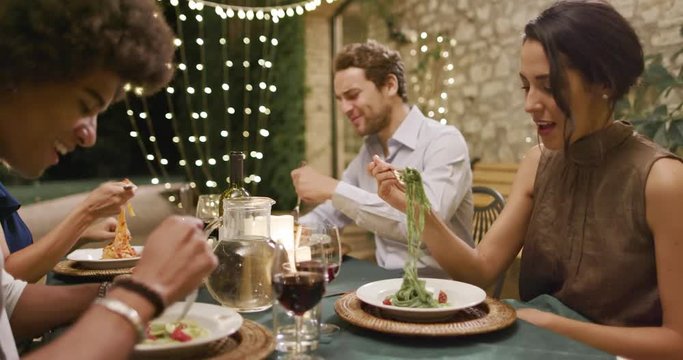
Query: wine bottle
(236, 187)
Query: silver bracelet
(126, 311)
(102, 290)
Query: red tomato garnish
(387, 301)
(179, 335)
(443, 298)
(149, 335)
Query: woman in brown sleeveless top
(596, 206)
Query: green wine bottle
(236, 187)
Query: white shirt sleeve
(325, 212)
(11, 291)
(369, 211)
(328, 211)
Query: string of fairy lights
(193, 133)
(433, 73)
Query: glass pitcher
(245, 253)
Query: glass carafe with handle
(242, 279)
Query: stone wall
(317, 104)
(484, 99)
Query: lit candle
(282, 231)
(257, 225)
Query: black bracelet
(143, 290)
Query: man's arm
(326, 212)
(312, 186)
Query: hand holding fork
(296, 211)
(192, 297)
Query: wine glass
(331, 245)
(298, 280)
(208, 211)
(207, 207)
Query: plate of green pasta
(420, 299)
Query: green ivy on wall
(655, 105)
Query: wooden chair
(497, 176)
(488, 203)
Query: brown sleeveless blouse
(588, 243)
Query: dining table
(521, 340)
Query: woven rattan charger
(251, 341)
(73, 268)
(491, 315)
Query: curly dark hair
(57, 40)
(377, 60)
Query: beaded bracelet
(125, 310)
(102, 290)
(143, 290)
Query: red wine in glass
(300, 291)
(332, 270)
(316, 266)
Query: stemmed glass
(298, 280)
(208, 211)
(331, 245)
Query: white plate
(219, 321)
(92, 259)
(460, 296)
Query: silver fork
(399, 176)
(189, 301)
(192, 297)
(296, 209)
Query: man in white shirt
(370, 88)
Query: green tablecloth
(520, 341)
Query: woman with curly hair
(63, 63)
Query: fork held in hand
(189, 300)
(192, 297)
(399, 176)
(296, 209)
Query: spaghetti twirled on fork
(120, 247)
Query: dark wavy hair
(377, 60)
(58, 40)
(589, 36)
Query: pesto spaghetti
(413, 292)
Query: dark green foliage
(655, 106)
(284, 148)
